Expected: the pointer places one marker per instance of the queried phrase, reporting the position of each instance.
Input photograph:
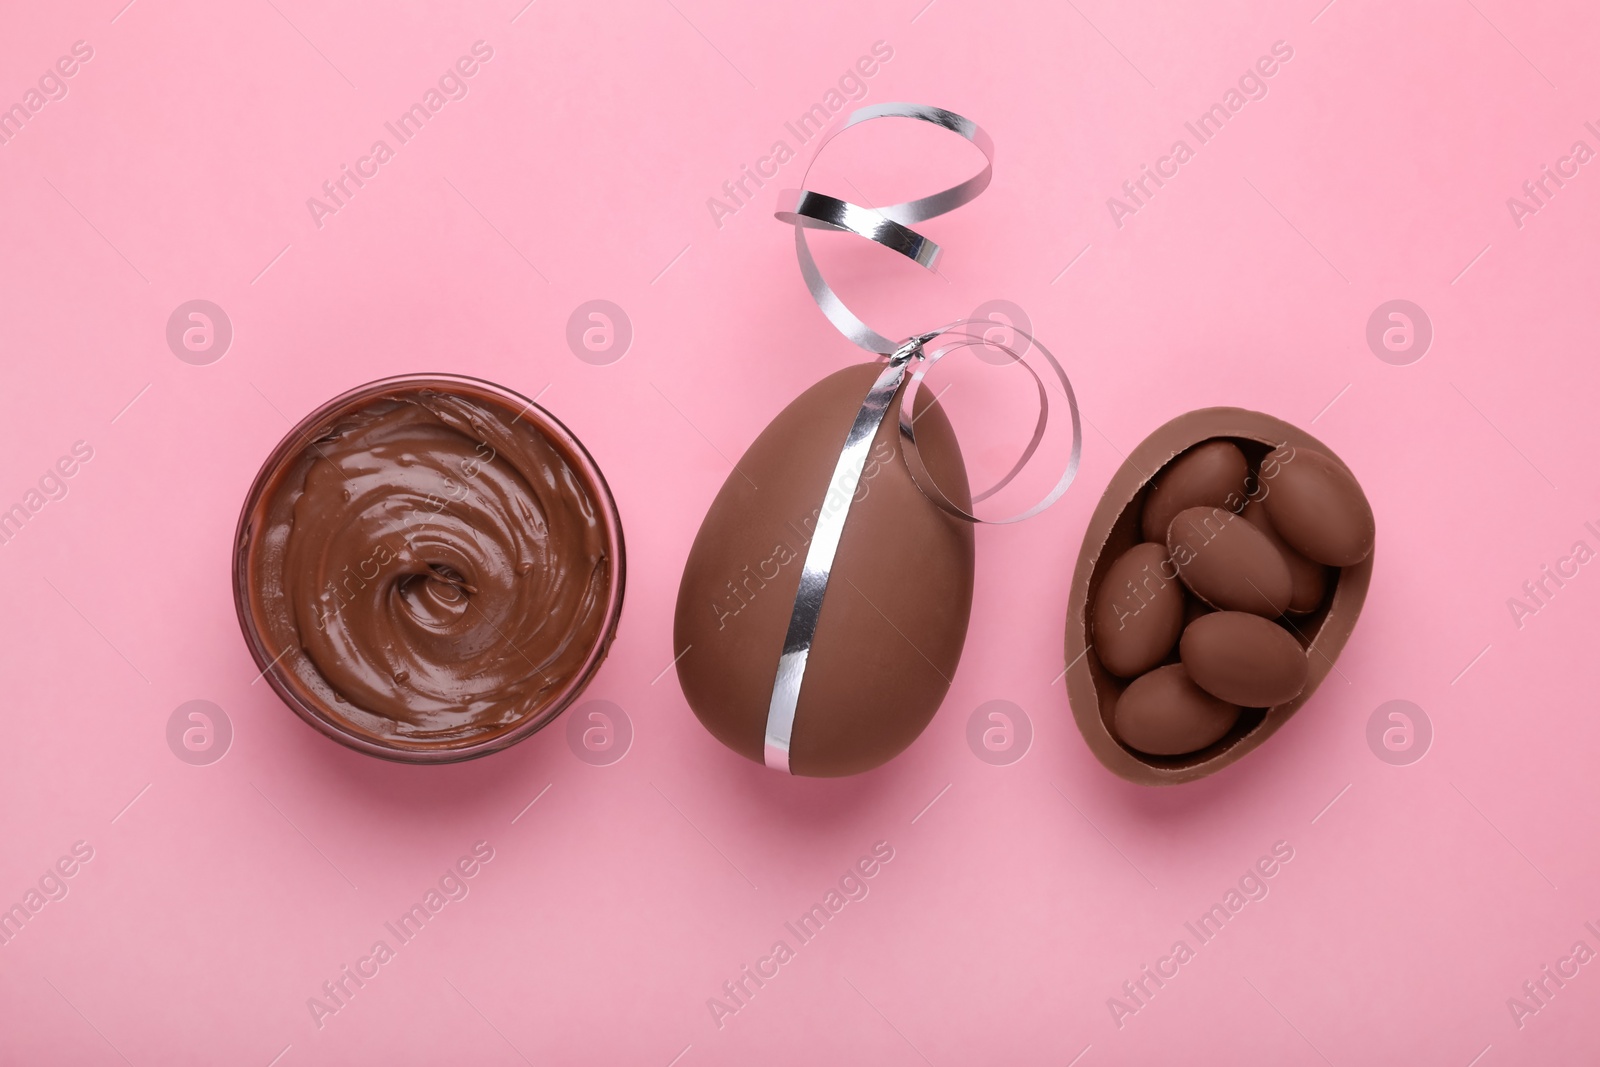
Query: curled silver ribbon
(887, 226)
(890, 227)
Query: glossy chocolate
(1308, 580)
(1164, 713)
(1244, 659)
(1211, 474)
(1115, 527)
(1139, 612)
(1228, 563)
(895, 615)
(1318, 507)
(431, 566)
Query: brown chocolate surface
(895, 615)
(1115, 527)
(431, 566)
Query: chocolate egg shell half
(1115, 527)
(895, 615)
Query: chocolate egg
(1317, 506)
(1163, 713)
(1244, 659)
(1115, 527)
(1228, 563)
(1308, 579)
(1138, 613)
(1212, 473)
(895, 614)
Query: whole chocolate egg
(894, 618)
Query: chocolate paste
(429, 566)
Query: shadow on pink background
(577, 164)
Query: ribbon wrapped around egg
(822, 612)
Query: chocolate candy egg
(895, 614)
(1212, 473)
(1308, 579)
(1243, 659)
(1138, 613)
(1317, 506)
(1116, 526)
(1163, 713)
(1228, 563)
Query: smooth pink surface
(578, 167)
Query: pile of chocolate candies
(1230, 557)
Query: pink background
(578, 167)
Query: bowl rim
(312, 711)
(1153, 455)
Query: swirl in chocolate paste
(437, 563)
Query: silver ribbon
(887, 226)
(890, 227)
(819, 560)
